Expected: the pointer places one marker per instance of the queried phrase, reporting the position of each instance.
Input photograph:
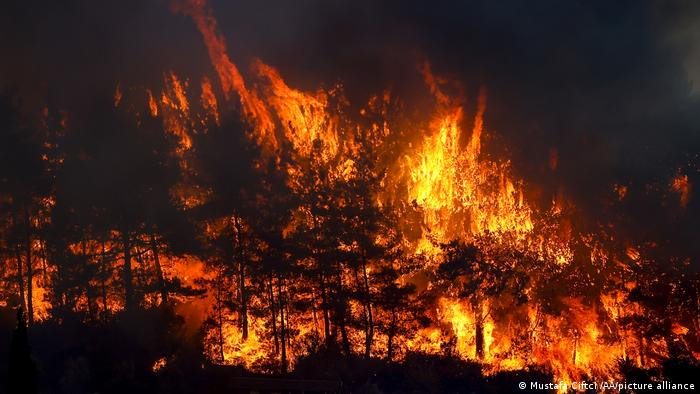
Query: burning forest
(349, 197)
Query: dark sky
(609, 85)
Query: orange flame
(681, 185)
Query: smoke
(607, 88)
(69, 53)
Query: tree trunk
(390, 336)
(273, 316)
(128, 281)
(103, 282)
(159, 272)
(314, 312)
(243, 301)
(241, 278)
(479, 330)
(88, 288)
(44, 261)
(30, 277)
(220, 321)
(341, 312)
(283, 334)
(344, 336)
(369, 333)
(20, 276)
(324, 308)
(287, 324)
(28, 261)
(20, 279)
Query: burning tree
(476, 275)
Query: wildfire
(445, 188)
(460, 194)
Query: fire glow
(463, 262)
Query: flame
(159, 364)
(176, 108)
(236, 351)
(681, 185)
(633, 253)
(209, 101)
(152, 104)
(460, 194)
(303, 116)
(40, 299)
(229, 76)
(444, 174)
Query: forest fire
(269, 224)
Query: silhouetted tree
(404, 309)
(114, 198)
(224, 161)
(476, 272)
(22, 370)
(24, 185)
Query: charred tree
(20, 278)
(283, 325)
(30, 268)
(22, 369)
(237, 232)
(159, 271)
